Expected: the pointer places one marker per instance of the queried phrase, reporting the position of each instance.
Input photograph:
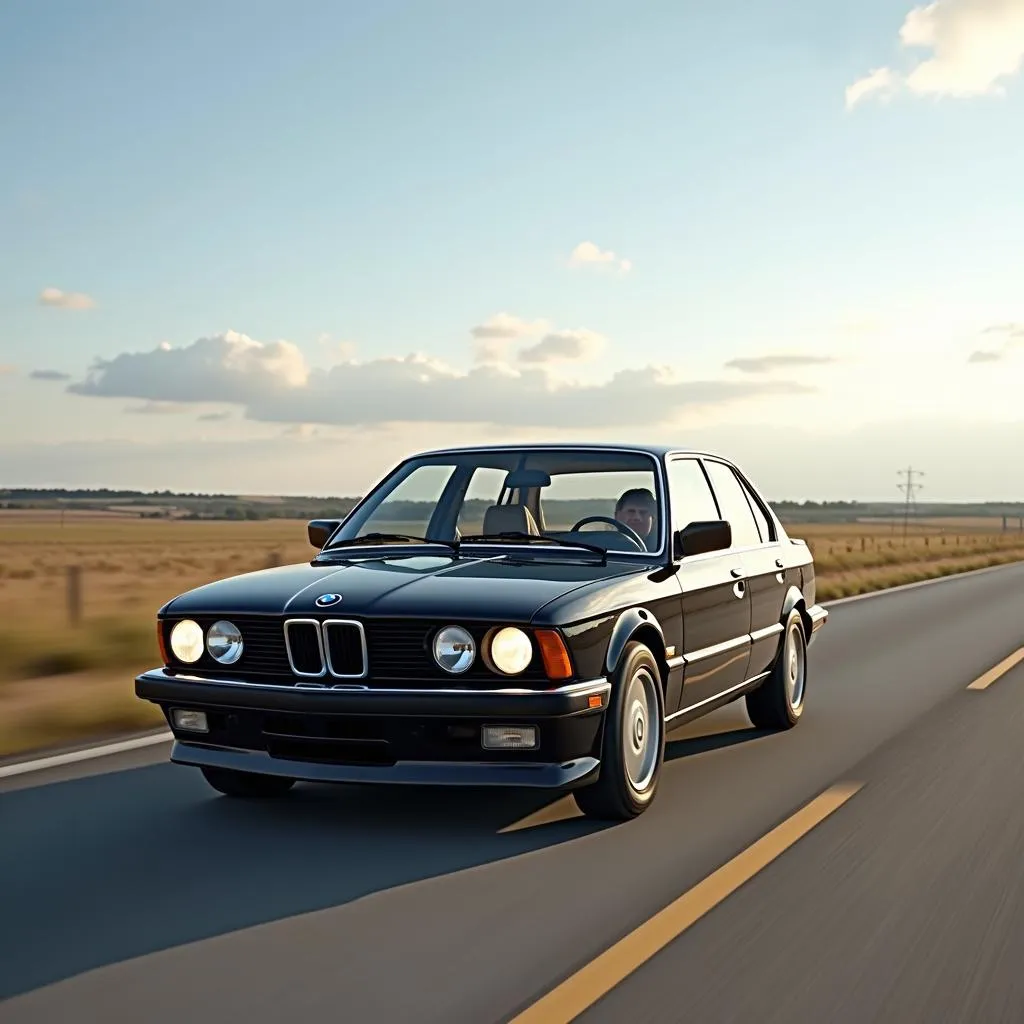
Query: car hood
(418, 585)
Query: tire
(778, 703)
(246, 785)
(633, 755)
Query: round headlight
(511, 650)
(187, 641)
(454, 649)
(224, 642)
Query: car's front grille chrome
(344, 643)
(305, 647)
(336, 647)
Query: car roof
(656, 450)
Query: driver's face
(638, 516)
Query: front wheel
(778, 702)
(633, 750)
(246, 784)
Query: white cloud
(156, 409)
(764, 364)
(507, 326)
(1013, 338)
(587, 254)
(564, 346)
(883, 81)
(228, 367)
(49, 375)
(302, 431)
(336, 346)
(974, 44)
(273, 383)
(492, 338)
(65, 300)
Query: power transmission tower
(909, 488)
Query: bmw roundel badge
(326, 600)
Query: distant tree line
(193, 505)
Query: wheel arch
(637, 624)
(795, 599)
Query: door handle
(739, 588)
(737, 573)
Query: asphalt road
(130, 892)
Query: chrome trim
(362, 646)
(769, 631)
(717, 696)
(677, 662)
(315, 623)
(585, 688)
(723, 648)
(818, 615)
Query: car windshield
(603, 498)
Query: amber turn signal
(160, 640)
(552, 650)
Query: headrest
(509, 519)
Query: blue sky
(390, 175)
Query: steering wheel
(626, 531)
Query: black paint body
(713, 621)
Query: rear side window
(733, 501)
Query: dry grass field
(67, 663)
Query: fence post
(74, 594)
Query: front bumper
(416, 735)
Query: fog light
(192, 721)
(508, 737)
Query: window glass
(484, 487)
(691, 497)
(627, 496)
(408, 506)
(759, 516)
(734, 506)
(558, 486)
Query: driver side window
(691, 496)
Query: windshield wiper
(518, 535)
(375, 538)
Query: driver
(635, 509)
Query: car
(521, 615)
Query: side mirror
(319, 531)
(701, 537)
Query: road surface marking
(22, 767)
(581, 990)
(1000, 670)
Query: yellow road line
(1000, 670)
(581, 990)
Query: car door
(716, 606)
(756, 547)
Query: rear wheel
(634, 741)
(246, 784)
(778, 702)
